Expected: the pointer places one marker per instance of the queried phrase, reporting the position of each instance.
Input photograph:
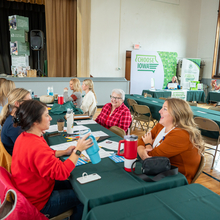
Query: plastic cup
(60, 99)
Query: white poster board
(180, 94)
(190, 71)
(144, 66)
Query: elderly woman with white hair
(115, 113)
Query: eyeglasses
(116, 98)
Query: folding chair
(143, 114)
(15, 206)
(162, 98)
(215, 108)
(192, 103)
(200, 169)
(119, 131)
(131, 102)
(207, 125)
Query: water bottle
(48, 90)
(51, 91)
(69, 118)
(93, 151)
(32, 95)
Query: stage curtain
(39, 2)
(61, 30)
(36, 15)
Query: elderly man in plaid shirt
(115, 113)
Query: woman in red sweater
(37, 172)
(176, 137)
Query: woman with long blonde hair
(176, 136)
(76, 97)
(89, 100)
(9, 133)
(5, 87)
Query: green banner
(19, 35)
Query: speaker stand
(38, 65)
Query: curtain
(39, 2)
(61, 30)
(83, 37)
(36, 15)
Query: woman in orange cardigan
(176, 137)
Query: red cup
(60, 99)
(130, 151)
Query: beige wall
(112, 26)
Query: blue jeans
(62, 199)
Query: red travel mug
(130, 151)
(60, 99)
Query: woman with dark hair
(37, 172)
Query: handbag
(159, 167)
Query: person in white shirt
(89, 101)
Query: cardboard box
(31, 73)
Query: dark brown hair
(29, 112)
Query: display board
(145, 65)
(190, 71)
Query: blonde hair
(76, 85)
(175, 79)
(15, 95)
(89, 83)
(5, 88)
(183, 118)
(2, 80)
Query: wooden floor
(213, 183)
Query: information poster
(180, 94)
(190, 71)
(147, 65)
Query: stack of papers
(85, 122)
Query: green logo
(146, 62)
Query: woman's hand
(147, 138)
(84, 144)
(65, 88)
(143, 152)
(69, 150)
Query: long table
(156, 104)
(116, 184)
(192, 95)
(213, 96)
(189, 202)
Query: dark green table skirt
(189, 202)
(213, 96)
(192, 95)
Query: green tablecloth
(116, 184)
(192, 95)
(187, 202)
(156, 104)
(213, 96)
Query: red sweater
(35, 168)
(178, 148)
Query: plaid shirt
(121, 117)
